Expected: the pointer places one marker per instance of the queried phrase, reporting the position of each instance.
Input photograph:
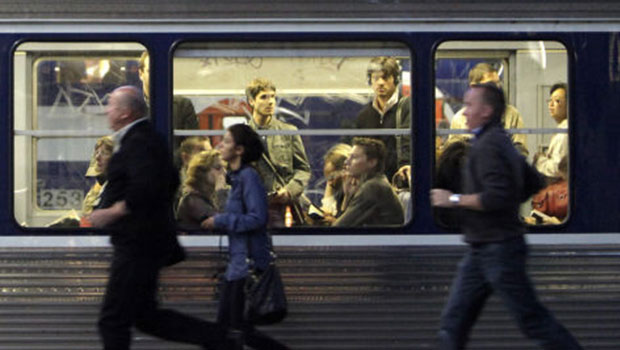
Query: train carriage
(369, 287)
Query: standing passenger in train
(136, 211)
(368, 197)
(550, 162)
(245, 221)
(183, 113)
(283, 166)
(483, 73)
(387, 110)
(497, 180)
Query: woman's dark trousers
(231, 316)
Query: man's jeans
(498, 268)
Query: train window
(315, 106)
(533, 75)
(60, 89)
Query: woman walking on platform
(245, 221)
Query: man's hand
(441, 198)
(405, 171)
(104, 217)
(350, 185)
(208, 223)
(281, 196)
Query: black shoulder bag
(265, 297)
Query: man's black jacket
(140, 172)
(503, 178)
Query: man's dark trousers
(499, 268)
(130, 299)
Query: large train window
(316, 106)
(59, 122)
(533, 75)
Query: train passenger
(334, 173)
(548, 162)
(401, 182)
(245, 221)
(284, 165)
(136, 210)
(204, 190)
(550, 205)
(387, 110)
(485, 73)
(368, 197)
(497, 180)
(188, 148)
(183, 112)
(449, 176)
(98, 169)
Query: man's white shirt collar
(390, 103)
(118, 136)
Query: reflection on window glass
(309, 102)
(61, 148)
(533, 76)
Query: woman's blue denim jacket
(245, 221)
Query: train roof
(321, 10)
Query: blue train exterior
(593, 77)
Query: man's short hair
(256, 86)
(143, 58)
(494, 97)
(374, 149)
(388, 65)
(132, 99)
(557, 86)
(477, 73)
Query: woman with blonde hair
(204, 190)
(97, 169)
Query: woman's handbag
(265, 298)
(552, 200)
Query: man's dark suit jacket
(141, 174)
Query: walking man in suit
(136, 210)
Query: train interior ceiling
(61, 90)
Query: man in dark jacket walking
(136, 210)
(497, 180)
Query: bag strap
(294, 201)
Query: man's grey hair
(131, 98)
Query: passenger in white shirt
(553, 161)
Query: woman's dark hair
(557, 86)
(245, 136)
